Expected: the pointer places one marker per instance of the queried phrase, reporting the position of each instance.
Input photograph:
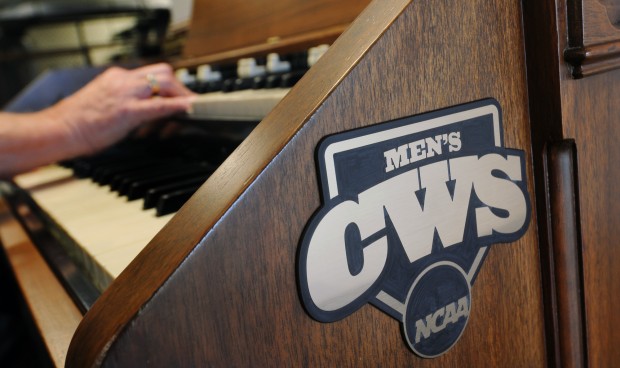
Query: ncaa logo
(410, 208)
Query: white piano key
(183, 75)
(275, 65)
(248, 68)
(41, 176)
(246, 105)
(315, 53)
(204, 73)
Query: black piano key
(172, 202)
(243, 83)
(213, 86)
(298, 60)
(68, 164)
(85, 167)
(129, 179)
(153, 195)
(121, 179)
(227, 70)
(104, 174)
(139, 188)
(125, 185)
(193, 86)
(290, 79)
(201, 87)
(228, 85)
(259, 82)
(207, 87)
(273, 81)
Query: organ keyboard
(108, 207)
(110, 229)
(253, 91)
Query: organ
(219, 283)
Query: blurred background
(38, 35)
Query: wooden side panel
(218, 26)
(587, 113)
(591, 110)
(234, 300)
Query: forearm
(31, 140)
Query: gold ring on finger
(153, 84)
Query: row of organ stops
(272, 71)
(163, 173)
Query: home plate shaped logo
(410, 208)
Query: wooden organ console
(217, 283)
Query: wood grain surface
(219, 26)
(591, 117)
(218, 285)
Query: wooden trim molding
(593, 36)
(594, 59)
(565, 245)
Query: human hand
(116, 102)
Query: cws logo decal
(410, 208)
